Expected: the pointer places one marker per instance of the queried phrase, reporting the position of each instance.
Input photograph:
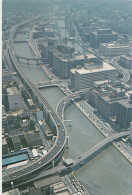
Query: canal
(109, 173)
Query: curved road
(59, 145)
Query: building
(39, 115)
(7, 77)
(45, 184)
(25, 125)
(12, 192)
(126, 61)
(14, 99)
(46, 46)
(33, 139)
(113, 49)
(93, 70)
(131, 131)
(4, 146)
(4, 117)
(102, 36)
(65, 58)
(59, 189)
(113, 102)
(16, 143)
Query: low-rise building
(25, 125)
(12, 192)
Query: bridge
(80, 161)
(32, 59)
(55, 153)
(90, 154)
(53, 83)
(20, 41)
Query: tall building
(94, 70)
(16, 142)
(102, 36)
(14, 99)
(65, 58)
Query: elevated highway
(64, 102)
(55, 153)
(80, 160)
(126, 75)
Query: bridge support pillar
(28, 62)
(67, 142)
(18, 59)
(53, 163)
(12, 185)
(54, 139)
(68, 123)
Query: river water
(107, 174)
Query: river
(107, 174)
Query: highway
(58, 148)
(80, 161)
(126, 75)
(61, 105)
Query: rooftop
(105, 67)
(12, 90)
(46, 182)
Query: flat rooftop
(47, 181)
(14, 159)
(12, 90)
(105, 67)
(114, 45)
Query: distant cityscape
(66, 97)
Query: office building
(102, 36)
(126, 61)
(33, 139)
(93, 70)
(4, 146)
(113, 103)
(65, 58)
(14, 99)
(16, 143)
(113, 49)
